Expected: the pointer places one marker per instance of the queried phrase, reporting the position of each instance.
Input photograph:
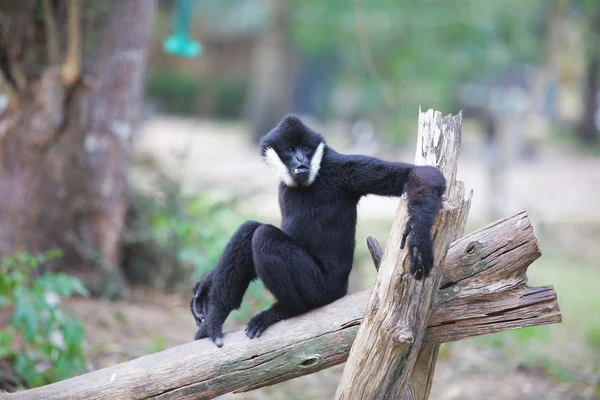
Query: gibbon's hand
(420, 249)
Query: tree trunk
(588, 133)
(66, 132)
(388, 343)
(273, 70)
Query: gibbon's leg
(290, 274)
(215, 298)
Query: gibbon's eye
(305, 148)
(290, 149)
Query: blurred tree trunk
(71, 84)
(273, 72)
(588, 132)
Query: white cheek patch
(273, 161)
(315, 163)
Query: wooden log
(388, 342)
(322, 338)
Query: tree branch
(51, 33)
(72, 67)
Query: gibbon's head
(294, 151)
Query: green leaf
(64, 367)
(25, 368)
(5, 344)
(62, 284)
(7, 287)
(53, 254)
(35, 316)
(7, 263)
(73, 333)
(25, 318)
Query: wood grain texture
(323, 337)
(387, 345)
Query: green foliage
(176, 92)
(416, 52)
(43, 340)
(593, 339)
(422, 51)
(179, 93)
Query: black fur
(306, 263)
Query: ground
(559, 190)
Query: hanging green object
(180, 43)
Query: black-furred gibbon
(306, 263)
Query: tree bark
(484, 290)
(66, 135)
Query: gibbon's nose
(300, 157)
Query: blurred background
(128, 156)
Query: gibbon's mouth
(300, 169)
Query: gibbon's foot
(203, 332)
(260, 322)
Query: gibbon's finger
(251, 330)
(197, 298)
(261, 328)
(259, 323)
(416, 263)
(406, 232)
(427, 258)
(204, 310)
(254, 327)
(199, 316)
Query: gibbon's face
(294, 152)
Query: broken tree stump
(389, 340)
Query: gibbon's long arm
(424, 185)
